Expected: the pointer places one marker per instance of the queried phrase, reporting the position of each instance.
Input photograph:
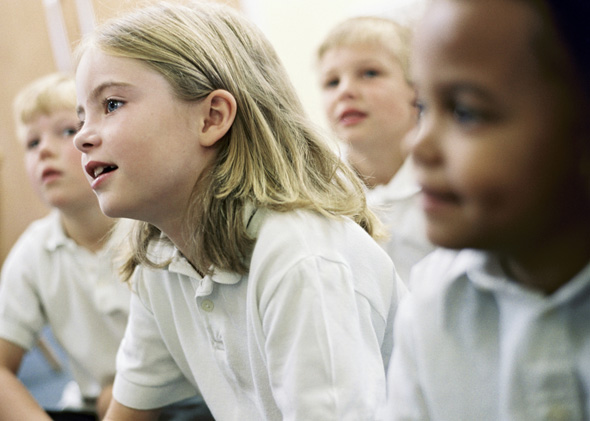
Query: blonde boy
(60, 271)
(370, 105)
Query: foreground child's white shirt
(305, 335)
(48, 279)
(472, 345)
(398, 205)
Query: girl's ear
(219, 114)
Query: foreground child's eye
(465, 115)
(112, 105)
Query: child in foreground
(256, 277)
(60, 271)
(370, 104)
(497, 329)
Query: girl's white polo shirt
(306, 334)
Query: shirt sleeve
(147, 375)
(405, 399)
(322, 342)
(21, 313)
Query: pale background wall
(295, 27)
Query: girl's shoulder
(304, 227)
(297, 235)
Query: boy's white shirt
(319, 291)
(48, 279)
(471, 344)
(397, 203)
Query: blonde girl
(257, 279)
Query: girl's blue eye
(112, 105)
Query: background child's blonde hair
(44, 96)
(272, 157)
(390, 35)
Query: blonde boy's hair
(272, 157)
(44, 96)
(390, 35)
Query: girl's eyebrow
(97, 92)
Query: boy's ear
(219, 114)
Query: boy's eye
(370, 73)
(32, 144)
(70, 131)
(331, 83)
(112, 105)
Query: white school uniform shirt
(397, 204)
(47, 279)
(472, 345)
(305, 335)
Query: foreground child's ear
(219, 114)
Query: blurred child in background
(370, 104)
(60, 271)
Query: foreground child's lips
(441, 195)
(436, 200)
(95, 168)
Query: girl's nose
(86, 139)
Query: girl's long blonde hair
(272, 157)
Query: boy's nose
(46, 146)
(347, 88)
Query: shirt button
(207, 305)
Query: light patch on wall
(58, 34)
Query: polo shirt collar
(56, 237)
(401, 186)
(179, 264)
(486, 273)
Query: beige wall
(25, 54)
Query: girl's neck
(89, 227)
(375, 166)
